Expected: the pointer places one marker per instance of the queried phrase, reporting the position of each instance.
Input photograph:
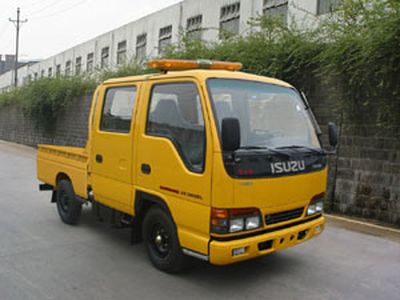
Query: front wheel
(68, 206)
(162, 242)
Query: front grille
(283, 216)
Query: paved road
(41, 258)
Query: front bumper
(221, 252)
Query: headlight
(236, 225)
(234, 220)
(311, 209)
(316, 205)
(252, 222)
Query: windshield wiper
(286, 155)
(302, 147)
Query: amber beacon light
(177, 64)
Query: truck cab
(204, 160)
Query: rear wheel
(162, 242)
(68, 206)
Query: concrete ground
(41, 258)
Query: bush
(270, 50)
(362, 57)
(130, 69)
(44, 99)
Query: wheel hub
(64, 202)
(160, 240)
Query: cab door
(112, 147)
(174, 155)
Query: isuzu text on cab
(199, 160)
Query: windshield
(270, 116)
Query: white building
(208, 20)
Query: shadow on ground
(223, 276)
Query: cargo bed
(55, 161)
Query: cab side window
(175, 113)
(117, 109)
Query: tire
(69, 208)
(161, 241)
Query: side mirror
(230, 134)
(333, 134)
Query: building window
(193, 28)
(117, 109)
(41, 73)
(277, 9)
(68, 68)
(164, 39)
(327, 6)
(105, 53)
(90, 62)
(175, 113)
(141, 41)
(58, 70)
(78, 65)
(49, 72)
(36, 76)
(121, 53)
(229, 20)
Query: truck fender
(143, 201)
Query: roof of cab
(199, 74)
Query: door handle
(146, 169)
(99, 158)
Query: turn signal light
(179, 64)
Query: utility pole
(17, 24)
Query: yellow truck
(199, 160)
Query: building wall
(70, 128)
(303, 12)
(5, 81)
(6, 64)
